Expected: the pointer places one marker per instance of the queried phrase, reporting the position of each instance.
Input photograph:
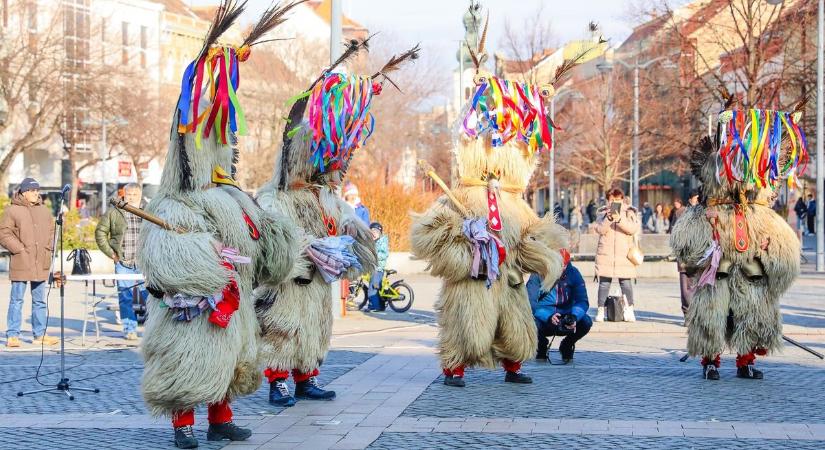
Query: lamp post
(103, 152)
(634, 153)
(551, 185)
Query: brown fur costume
(480, 326)
(740, 312)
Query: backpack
(82, 261)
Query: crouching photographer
(561, 311)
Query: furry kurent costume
(482, 243)
(200, 345)
(741, 255)
(296, 316)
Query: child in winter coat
(382, 250)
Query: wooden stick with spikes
(122, 205)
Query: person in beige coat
(617, 225)
(27, 232)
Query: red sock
(275, 374)
(457, 371)
(300, 377)
(716, 361)
(760, 351)
(220, 413)
(183, 418)
(745, 360)
(511, 366)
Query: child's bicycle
(398, 295)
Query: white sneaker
(600, 314)
(629, 315)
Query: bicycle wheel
(405, 300)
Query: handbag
(635, 255)
(82, 261)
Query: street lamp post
(634, 152)
(561, 92)
(103, 152)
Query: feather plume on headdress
(338, 116)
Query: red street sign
(124, 169)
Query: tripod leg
(95, 390)
(20, 394)
(67, 392)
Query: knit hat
(350, 189)
(28, 184)
(376, 226)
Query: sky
(437, 24)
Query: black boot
(517, 377)
(309, 390)
(279, 394)
(749, 372)
(223, 431)
(185, 437)
(711, 372)
(454, 380)
(567, 351)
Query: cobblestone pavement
(450, 441)
(626, 389)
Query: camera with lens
(566, 320)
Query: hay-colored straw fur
(480, 326)
(753, 305)
(187, 364)
(295, 319)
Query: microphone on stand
(66, 189)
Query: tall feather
(226, 15)
(564, 69)
(395, 63)
(271, 18)
(483, 39)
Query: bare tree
(527, 44)
(31, 68)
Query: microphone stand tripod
(63, 384)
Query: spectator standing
(675, 214)
(810, 215)
(659, 221)
(567, 297)
(591, 211)
(352, 197)
(616, 228)
(27, 232)
(647, 216)
(117, 237)
(382, 251)
(801, 211)
(576, 218)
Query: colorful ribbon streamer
(508, 109)
(208, 96)
(339, 119)
(751, 148)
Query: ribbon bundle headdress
(339, 119)
(751, 147)
(209, 86)
(508, 109)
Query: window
(124, 42)
(144, 38)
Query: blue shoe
(279, 394)
(309, 390)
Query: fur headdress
(208, 102)
(508, 109)
(338, 119)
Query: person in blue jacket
(567, 296)
(353, 198)
(382, 251)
